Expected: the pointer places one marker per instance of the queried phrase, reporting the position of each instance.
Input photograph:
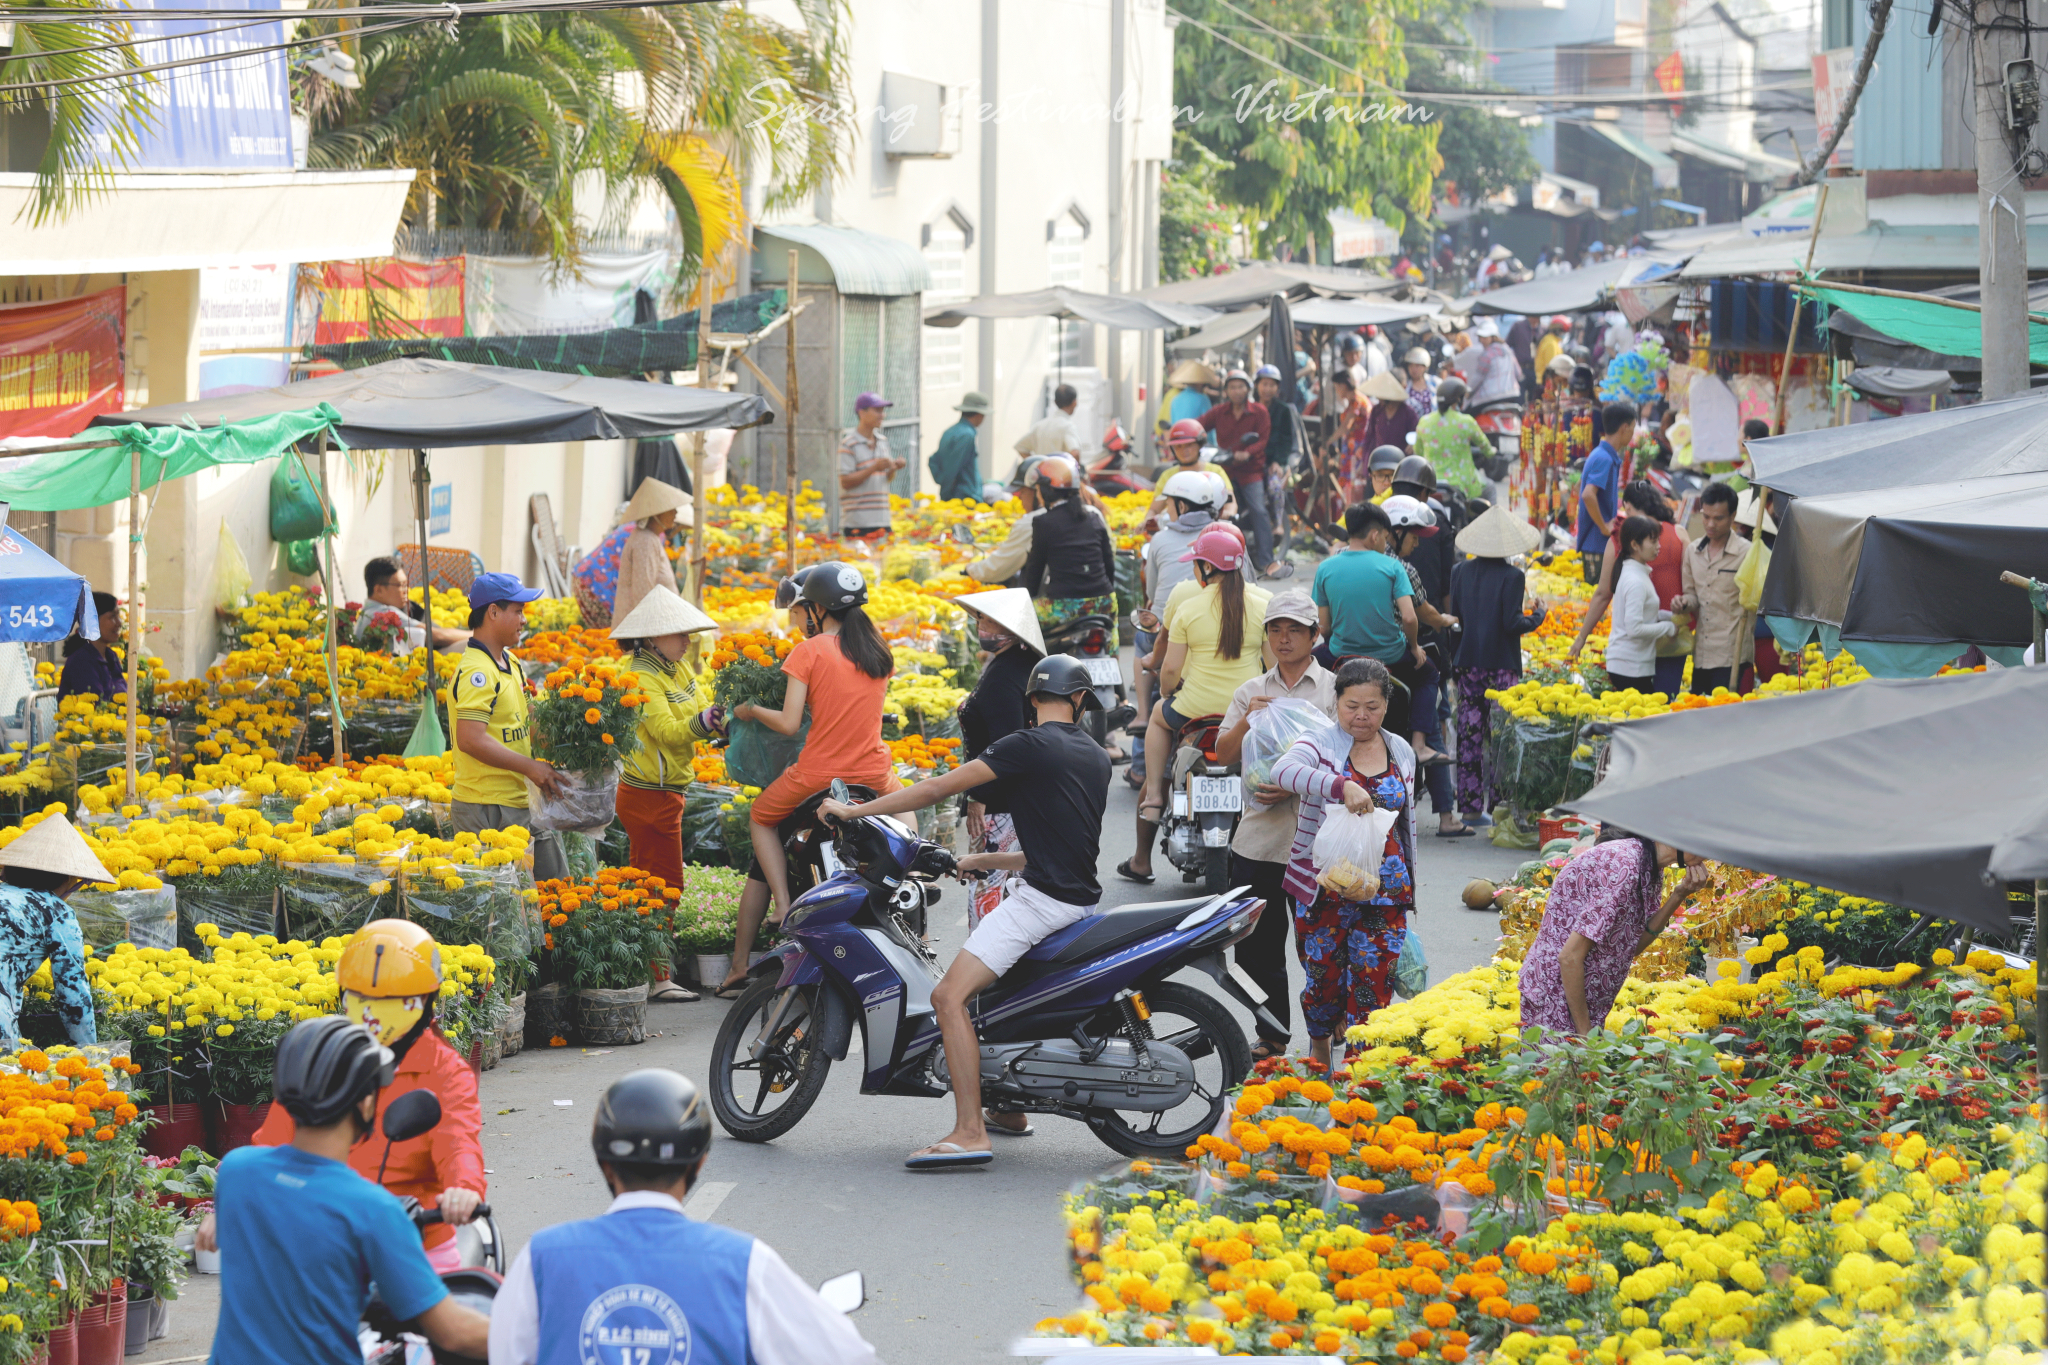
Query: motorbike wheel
(1201, 1026)
(1216, 871)
(791, 1071)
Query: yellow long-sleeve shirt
(668, 725)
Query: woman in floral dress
(1349, 948)
(1603, 910)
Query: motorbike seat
(1112, 929)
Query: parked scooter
(1110, 473)
(1502, 423)
(1205, 802)
(1088, 1026)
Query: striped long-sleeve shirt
(1316, 768)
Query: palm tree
(505, 119)
(71, 72)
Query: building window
(1063, 266)
(945, 348)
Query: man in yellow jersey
(493, 745)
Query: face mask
(993, 643)
(389, 1017)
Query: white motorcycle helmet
(1410, 514)
(1198, 488)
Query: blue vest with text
(642, 1287)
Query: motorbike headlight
(798, 913)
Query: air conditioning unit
(919, 118)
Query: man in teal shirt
(1363, 595)
(956, 464)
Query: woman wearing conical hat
(1486, 597)
(45, 862)
(643, 559)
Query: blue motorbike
(1086, 1027)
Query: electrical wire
(448, 9)
(110, 46)
(129, 73)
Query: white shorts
(1025, 919)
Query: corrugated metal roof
(1876, 248)
(859, 262)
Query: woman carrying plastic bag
(1354, 885)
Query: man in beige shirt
(1722, 628)
(1006, 561)
(1265, 833)
(1054, 433)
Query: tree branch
(1880, 15)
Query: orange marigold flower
(76, 1158)
(1439, 1315)
(105, 1134)
(1524, 1313)
(593, 716)
(558, 1041)
(1579, 1284)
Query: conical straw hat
(1385, 388)
(653, 497)
(53, 845)
(1009, 608)
(662, 612)
(1498, 534)
(1191, 374)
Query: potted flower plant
(705, 920)
(602, 934)
(584, 724)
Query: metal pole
(789, 416)
(135, 604)
(697, 512)
(1998, 35)
(327, 580)
(421, 496)
(1820, 209)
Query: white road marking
(708, 1196)
(961, 923)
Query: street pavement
(958, 1264)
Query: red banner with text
(60, 363)
(389, 299)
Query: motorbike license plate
(1104, 672)
(1510, 442)
(1215, 794)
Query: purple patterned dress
(1604, 895)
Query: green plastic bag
(295, 510)
(756, 755)
(302, 557)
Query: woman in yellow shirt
(675, 716)
(1215, 641)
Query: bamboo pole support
(327, 582)
(1798, 304)
(789, 417)
(698, 512)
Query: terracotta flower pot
(63, 1344)
(103, 1329)
(235, 1125)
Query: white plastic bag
(1348, 851)
(584, 805)
(1272, 730)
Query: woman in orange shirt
(841, 671)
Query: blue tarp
(40, 599)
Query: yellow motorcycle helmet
(390, 975)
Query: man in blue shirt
(1600, 486)
(302, 1237)
(956, 464)
(646, 1284)
(1363, 595)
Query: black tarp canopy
(2009, 436)
(1924, 793)
(1908, 577)
(670, 344)
(418, 404)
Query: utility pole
(1998, 37)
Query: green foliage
(1194, 227)
(73, 167)
(1304, 108)
(1482, 153)
(708, 914)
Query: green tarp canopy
(68, 479)
(1931, 326)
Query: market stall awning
(670, 344)
(1908, 577)
(1575, 291)
(851, 261)
(1878, 247)
(1259, 282)
(1752, 163)
(94, 469)
(1359, 312)
(425, 404)
(1933, 326)
(1872, 347)
(40, 599)
(1224, 331)
(1663, 170)
(1890, 381)
(1126, 311)
(1917, 793)
(2006, 437)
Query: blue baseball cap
(499, 587)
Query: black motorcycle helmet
(1450, 393)
(326, 1065)
(1385, 457)
(1417, 473)
(832, 586)
(652, 1117)
(1063, 675)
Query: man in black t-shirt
(1055, 781)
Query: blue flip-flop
(944, 1156)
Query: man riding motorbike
(644, 1282)
(302, 1239)
(1055, 782)
(390, 977)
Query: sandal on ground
(941, 1156)
(1116, 753)
(1284, 569)
(1123, 869)
(731, 990)
(1437, 760)
(988, 1117)
(1461, 832)
(668, 992)
(1134, 780)
(1263, 1051)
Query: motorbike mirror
(839, 791)
(411, 1114)
(844, 1293)
(1248, 440)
